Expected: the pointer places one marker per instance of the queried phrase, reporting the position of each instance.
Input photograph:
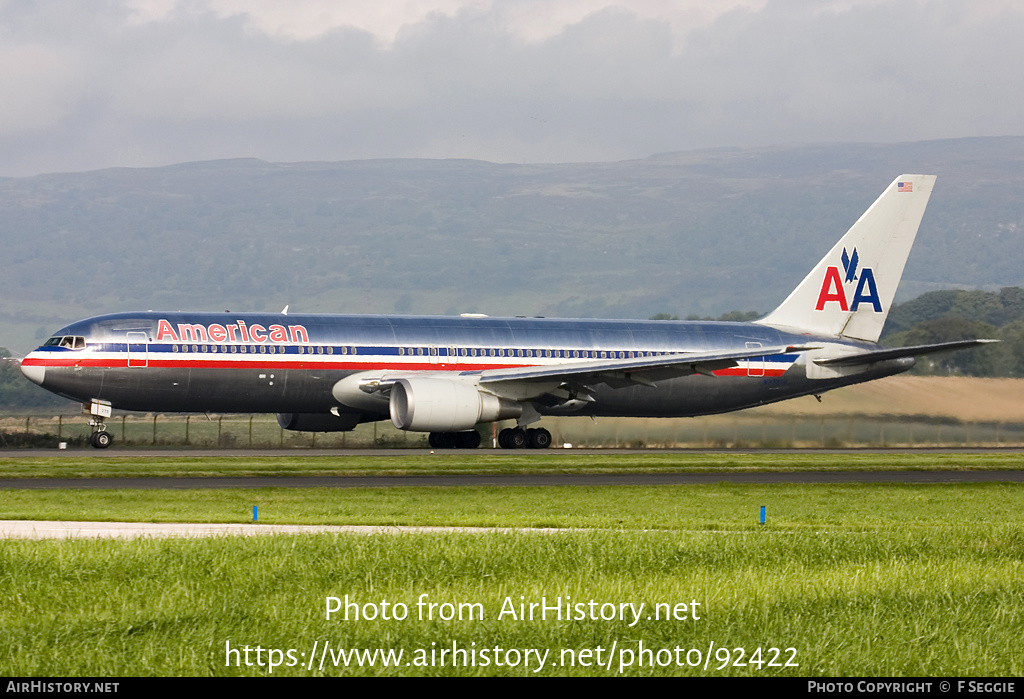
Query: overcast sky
(87, 85)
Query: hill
(693, 233)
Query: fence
(739, 430)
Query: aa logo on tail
(833, 287)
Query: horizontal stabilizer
(899, 352)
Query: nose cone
(34, 368)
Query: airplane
(445, 375)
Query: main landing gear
(518, 438)
(454, 440)
(512, 438)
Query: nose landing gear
(96, 411)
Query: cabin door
(138, 350)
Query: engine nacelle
(318, 422)
(442, 405)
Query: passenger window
(330, 350)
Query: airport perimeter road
(518, 480)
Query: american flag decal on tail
(904, 186)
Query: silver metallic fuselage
(273, 363)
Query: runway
(520, 480)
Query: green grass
(861, 507)
(494, 462)
(944, 601)
(860, 579)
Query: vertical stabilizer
(849, 293)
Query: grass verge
(860, 507)
(443, 463)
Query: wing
(371, 390)
(642, 370)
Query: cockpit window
(66, 341)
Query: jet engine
(441, 405)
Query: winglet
(849, 292)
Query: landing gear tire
(468, 440)
(539, 438)
(454, 440)
(101, 440)
(518, 438)
(513, 438)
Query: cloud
(147, 82)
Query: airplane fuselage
(274, 363)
